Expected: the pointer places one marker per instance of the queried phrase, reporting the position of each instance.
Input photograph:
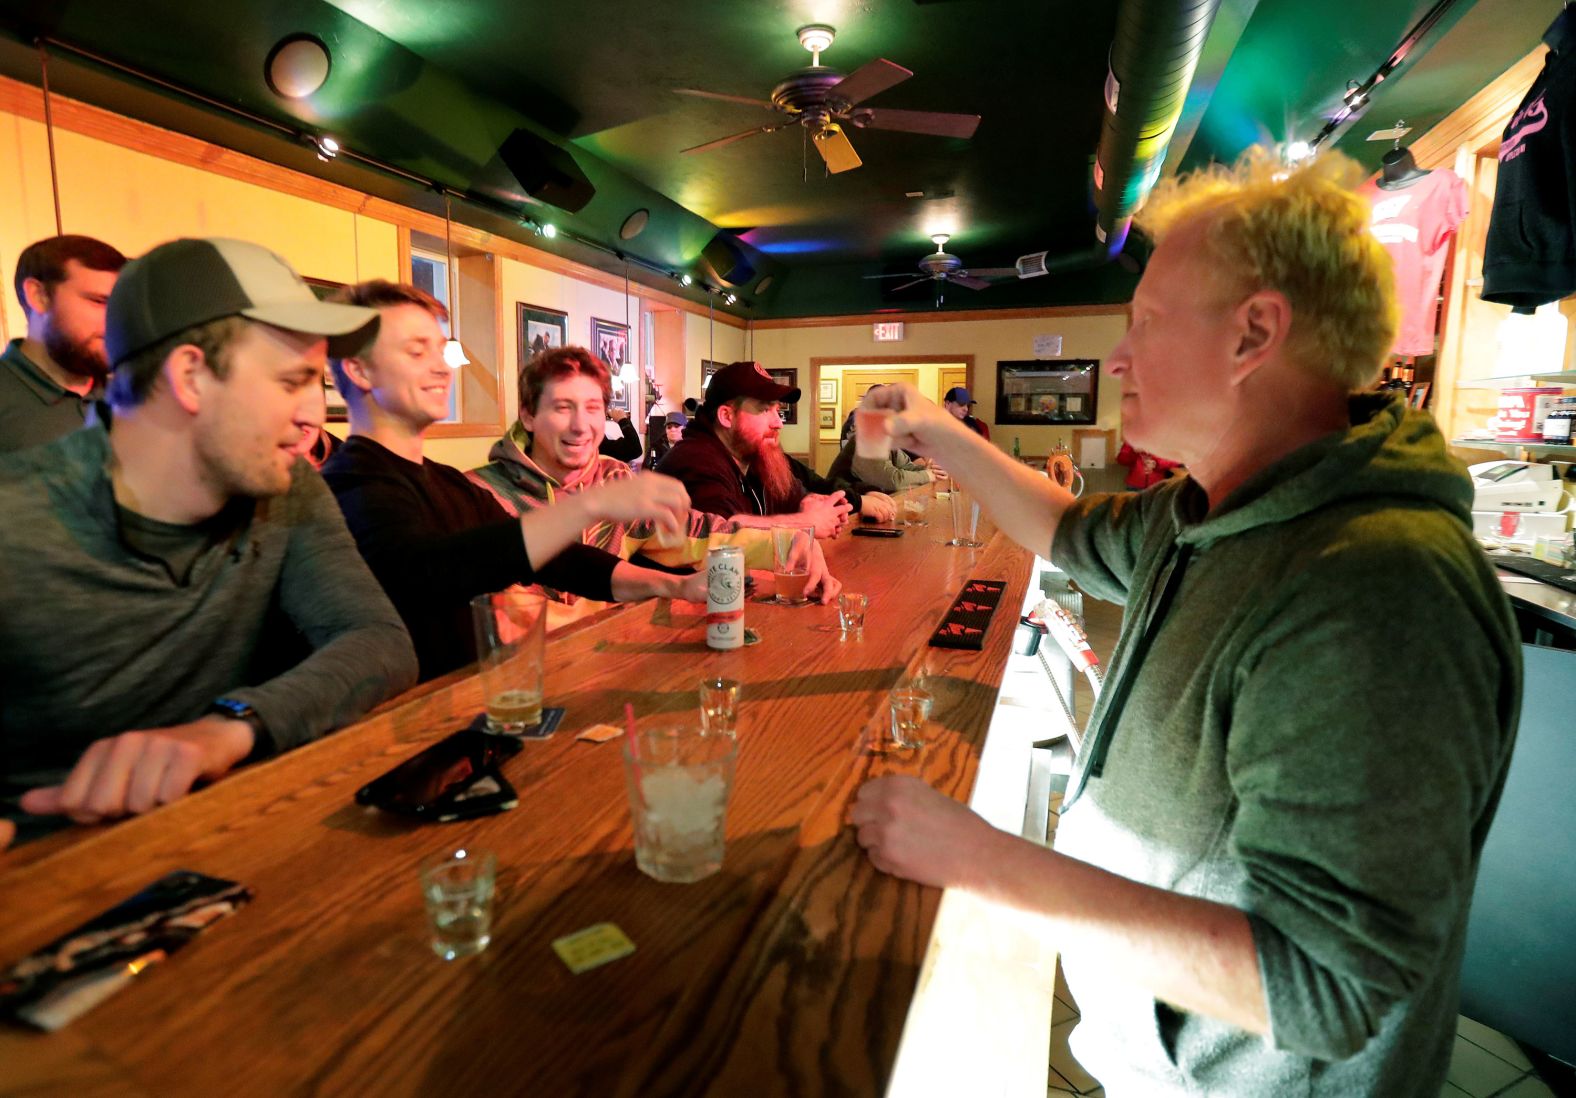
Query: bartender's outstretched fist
(919, 422)
(911, 831)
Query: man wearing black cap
(961, 406)
(144, 555)
(732, 464)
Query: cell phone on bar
(876, 532)
(453, 779)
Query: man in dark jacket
(434, 539)
(733, 465)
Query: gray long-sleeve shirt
(97, 639)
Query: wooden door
(856, 381)
(949, 377)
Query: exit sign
(890, 332)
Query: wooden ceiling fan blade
(970, 281)
(992, 272)
(906, 285)
(890, 276)
(867, 80)
(731, 138)
(835, 148)
(935, 123)
(746, 100)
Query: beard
(776, 475)
(78, 359)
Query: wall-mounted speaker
(546, 172)
(727, 259)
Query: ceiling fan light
(816, 37)
(940, 240)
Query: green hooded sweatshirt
(1315, 730)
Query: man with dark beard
(49, 377)
(732, 464)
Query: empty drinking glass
(851, 614)
(719, 706)
(910, 710)
(458, 889)
(965, 518)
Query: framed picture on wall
(826, 417)
(1048, 392)
(540, 330)
(707, 368)
(334, 402)
(828, 393)
(1418, 398)
(610, 343)
(790, 378)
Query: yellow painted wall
(134, 200)
(987, 340)
(703, 340)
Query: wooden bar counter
(790, 972)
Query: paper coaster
(592, 947)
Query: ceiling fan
(942, 267)
(826, 103)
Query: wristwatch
(235, 710)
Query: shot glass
(851, 614)
(873, 433)
(511, 643)
(679, 779)
(719, 707)
(910, 711)
(912, 510)
(458, 890)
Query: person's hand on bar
(828, 514)
(878, 507)
(911, 831)
(135, 772)
(822, 585)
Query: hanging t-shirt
(1415, 224)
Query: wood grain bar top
(790, 972)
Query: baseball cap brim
(349, 328)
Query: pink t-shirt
(1415, 225)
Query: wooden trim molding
(26, 101)
(859, 319)
(1478, 122)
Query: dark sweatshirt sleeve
(410, 562)
(712, 486)
(626, 447)
(1365, 795)
(361, 654)
(814, 482)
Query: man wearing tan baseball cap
(145, 552)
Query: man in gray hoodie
(1266, 854)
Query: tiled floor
(1485, 1063)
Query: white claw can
(725, 597)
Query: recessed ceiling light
(686, 279)
(764, 284)
(634, 224)
(297, 66)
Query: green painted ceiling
(434, 86)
